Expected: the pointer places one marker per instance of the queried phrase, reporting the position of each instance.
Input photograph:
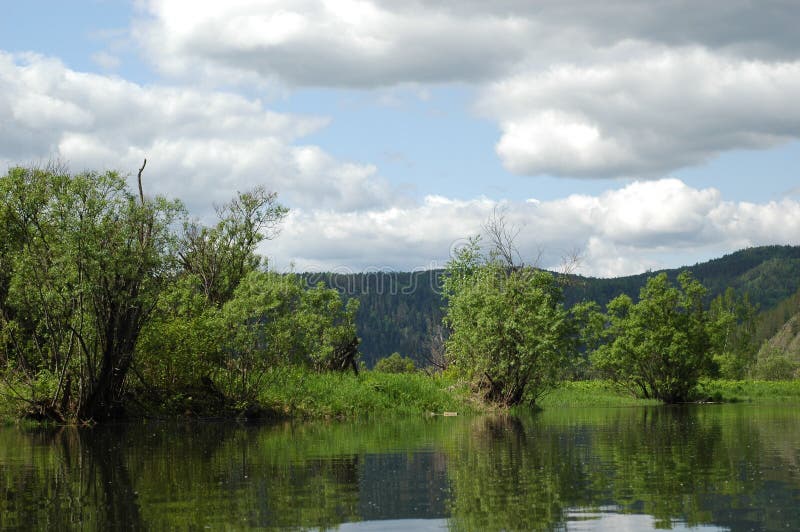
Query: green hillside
(402, 311)
(769, 274)
(778, 334)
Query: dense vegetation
(511, 335)
(112, 302)
(82, 263)
(402, 312)
(109, 299)
(660, 346)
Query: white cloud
(593, 90)
(368, 43)
(608, 89)
(644, 225)
(201, 145)
(643, 116)
(326, 43)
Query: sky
(639, 135)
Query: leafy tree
(659, 346)
(396, 363)
(774, 365)
(732, 321)
(510, 332)
(180, 344)
(222, 255)
(288, 323)
(84, 261)
(588, 327)
(270, 320)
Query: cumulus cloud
(643, 116)
(644, 225)
(353, 43)
(384, 42)
(202, 145)
(622, 88)
(618, 88)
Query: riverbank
(758, 392)
(596, 393)
(601, 393)
(293, 392)
(297, 393)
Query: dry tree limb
(139, 178)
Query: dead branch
(139, 177)
(502, 236)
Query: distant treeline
(402, 311)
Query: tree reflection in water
(734, 467)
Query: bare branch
(139, 177)
(570, 262)
(502, 236)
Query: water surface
(712, 467)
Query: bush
(775, 367)
(395, 363)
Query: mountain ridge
(402, 311)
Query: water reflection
(712, 468)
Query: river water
(710, 467)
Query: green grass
(300, 393)
(606, 394)
(591, 394)
(760, 392)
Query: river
(705, 467)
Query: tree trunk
(105, 400)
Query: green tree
(183, 345)
(732, 321)
(221, 256)
(510, 332)
(774, 365)
(660, 346)
(289, 323)
(396, 363)
(84, 261)
(270, 320)
(180, 345)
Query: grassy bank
(299, 393)
(759, 392)
(591, 394)
(606, 394)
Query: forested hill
(769, 274)
(399, 311)
(402, 312)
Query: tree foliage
(732, 322)
(510, 332)
(97, 284)
(659, 346)
(83, 263)
(396, 363)
(221, 256)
